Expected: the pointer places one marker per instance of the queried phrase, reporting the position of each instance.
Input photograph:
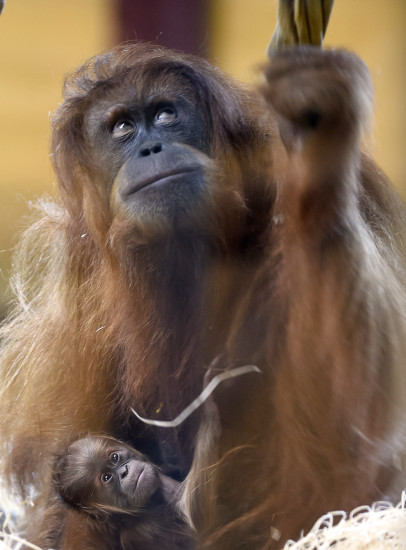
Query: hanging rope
(301, 22)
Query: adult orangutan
(199, 221)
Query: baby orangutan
(117, 500)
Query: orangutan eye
(114, 457)
(123, 129)
(106, 478)
(165, 116)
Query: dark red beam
(179, 24)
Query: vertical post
(178, 24)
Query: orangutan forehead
(89, 451)
(136, 87)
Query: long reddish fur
(99, 323)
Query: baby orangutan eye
(114, 458)
(106, 478)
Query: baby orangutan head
(99, 473)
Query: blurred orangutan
(198, 219)
(112, 498)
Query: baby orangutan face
(103, 473)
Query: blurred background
(42, 40)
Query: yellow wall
(375, 29)
(41, 40)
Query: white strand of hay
(200, 399)
(14, 542)
(379, 527)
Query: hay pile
(380, 527)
